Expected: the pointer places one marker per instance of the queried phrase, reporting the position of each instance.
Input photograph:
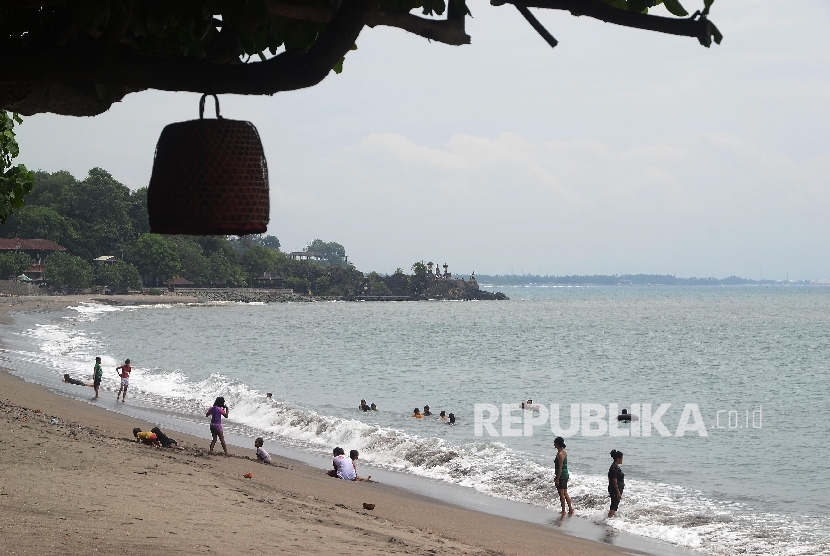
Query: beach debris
(368, 506)
(54, 421)
(248, 475)
(38, 411)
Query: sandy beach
(74, 481)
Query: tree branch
(447, 31)
(701, 28)
(120, 68)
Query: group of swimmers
(616, 478)
(442, 416)
(367, 407)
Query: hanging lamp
(209, 178)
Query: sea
(734, 459)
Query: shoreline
(138, 499)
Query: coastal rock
(459, 290)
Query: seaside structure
(37, 249)
(305, 256)
(270, 280)
(105, 259)
(436, 275)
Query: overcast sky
(619, 151)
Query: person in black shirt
(165, 440)
(616, 481)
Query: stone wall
(14, 287)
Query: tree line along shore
(99, 234)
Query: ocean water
(755, 362)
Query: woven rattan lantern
(209, 178)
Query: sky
(619, 151)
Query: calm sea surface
(754, 360)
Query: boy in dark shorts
(97, 375)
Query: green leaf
(675, 8)
(338, 67)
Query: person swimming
(452, 419)
(427, 412)
(442, 416)
(417, 413)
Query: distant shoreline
(488, 280)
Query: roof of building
(104, 259)
(17, 244)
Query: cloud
(692, 199)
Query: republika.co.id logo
(593, 419)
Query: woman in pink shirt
(216, 412)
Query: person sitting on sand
(373, 407)
(148, 438)
(336, 452)
(452, 419)
(353, 455)
(442, 416)
(68, 379)
(164, 440)
(417, 413)
(427, 412)
(261, 454)
(124, 373)
(343, 466)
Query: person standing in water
(97, 375)
(561, 479)
(216, 412)
(616, 481)
(124, 372)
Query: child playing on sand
(353, 455)
(124, 373)
(148, 438)
(343, 466)
(261, 454)
(164, 440)
(69, 380)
